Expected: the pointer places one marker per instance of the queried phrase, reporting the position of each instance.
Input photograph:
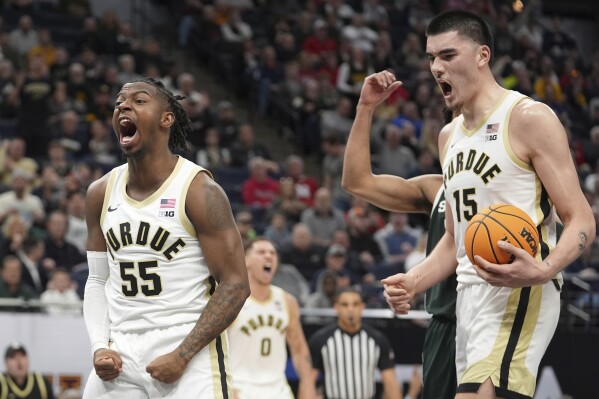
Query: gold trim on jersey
(487, 368)
(107, 194)
(41, 385)
(215, 366)
(21, 393)
(454, 128)
(187, 225)
(470, 132)
(271, 295)
(156, 194)
(506, 139)
(519, 376)
(3, 387)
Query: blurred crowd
(300, 64)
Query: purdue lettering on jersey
(481, 169)
(475, 162)
(261, 321)
(158, 275)
(145, 236)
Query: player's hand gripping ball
(500, 222)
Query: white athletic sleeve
(95, 307)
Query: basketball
(500, 222)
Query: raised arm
(385, 191)
(300, 354)
(538, 138)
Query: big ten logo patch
(166, 214)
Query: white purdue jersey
(480, 169)
(257, 341)
(158, 276)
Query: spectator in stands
(57, 158)
(45, 48)
(337, 122)
(19, 380)
(327, 286)
(358, 265)
(548, 79)
(212, 155)
(78, 88)
(319, 42)
(353, 72)
(322, 218)
(49, 189)
(393, 157)
(277, 230)
(332, 168)
(302, 253)
(246, 147)
(235, 30)
(305, 186)
(34, 272)
(90, 36)
(269, 72)
(77, 228)
(12, 157)
(9, 53)
(33, 95)
(398, 241)
(127, 69)
(359, 225)
(58, 248)
(259, 190)
(101, 145)
(11, 284)
(360, 34)
(24, 37)
(226, 123)
(14, 232)
(244, 221)
(335, 261)
(61, 296)
(287, 201)
(72, 135)
(61, 102)
(19, 200)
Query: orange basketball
(500, 222)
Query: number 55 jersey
(158, 276)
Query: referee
(348, 352)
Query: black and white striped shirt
(348, 361)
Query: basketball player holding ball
(503, 148)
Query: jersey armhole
(109, 189)
(185, 222)
(506, 138)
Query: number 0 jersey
(158, 276)
(481, 169)
(257, 340)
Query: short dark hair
(182, 128)
(465, 23)
(346, 290)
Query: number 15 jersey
(480, 169)
(158, 276)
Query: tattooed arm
(538, 139)
(209, 210)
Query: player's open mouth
(127, 130)
(267, 269)
(445, 88)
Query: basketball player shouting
(166, 269)
(504, 148)
(269, 319)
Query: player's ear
(484, 55)
(167, 119)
